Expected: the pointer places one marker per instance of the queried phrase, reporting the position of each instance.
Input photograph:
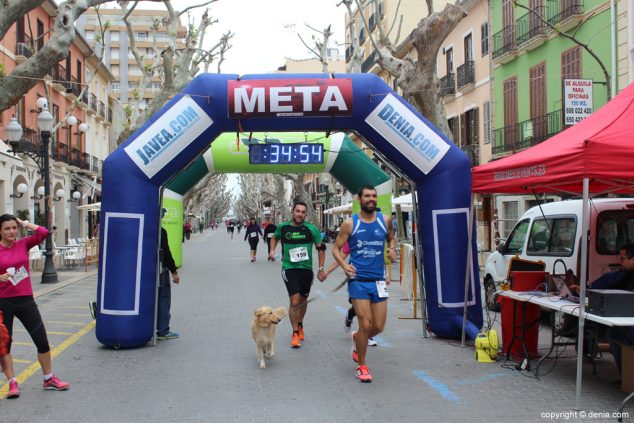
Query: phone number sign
(577, 100)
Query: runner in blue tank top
(366, 234)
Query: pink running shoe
(55, 384)
(363, 374)
(355, 356)
(14, 390)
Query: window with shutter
(463, 129)
(486, 111)
(476, 126)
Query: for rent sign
(577, 100)
(289, 97)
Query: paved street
(211, 373)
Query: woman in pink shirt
(16, 298)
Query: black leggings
(253, 242)
(25, 309)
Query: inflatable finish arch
(212, 104)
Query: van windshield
(615, 228)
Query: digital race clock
(301, 153)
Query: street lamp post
(45, 122)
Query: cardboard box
(627, 368)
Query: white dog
(263, 329)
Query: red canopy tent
(596, 155)
(601, 148)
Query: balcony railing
(526, 133)
(369, 62)
(101, 109)
(447, 85)
(59, 76)
(94, 164)
(466, 73)
(74, 87)
(562, 10)
(93, 102)
(504, 41)
(75, 157)
(23, 45)
(85, 161)
(530, 25)
(85, 98)
(60, 153)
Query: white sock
(48, 376)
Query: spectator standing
(168, 266)
(16, 299)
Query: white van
(553, 232)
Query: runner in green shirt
(298, 237)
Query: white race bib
(19, 276)
(298, 254)
(270, 235)
(381, 288)
(253, 234)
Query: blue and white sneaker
(169, 335)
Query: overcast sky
(261, 42)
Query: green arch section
(343, 159)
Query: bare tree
(178, 66)
(416, 78)
(175, 66)
(319, 43)
(210, 194)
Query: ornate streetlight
(39, 154)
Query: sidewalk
(65, 278)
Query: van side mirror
(500, 248)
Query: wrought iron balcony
(60, 153)
(447, 85)
(93, 102)
(74, 87)
(85, 161)
(101, 109)
(530, 26)
(504, 42)
(466, 74)
(562, 10)
(59, 77)
(527, 133)
(75, 157)
(369, 62)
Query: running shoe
(355, 356)
(300, 329)
(372, 342)
(347, 324)
(363, 374)
(295, 341)
(55, 384)
(169, 335)
(14, 390)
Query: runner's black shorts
(298, 281)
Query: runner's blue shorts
(364, 290)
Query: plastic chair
(35, 255)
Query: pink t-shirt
(17, 256)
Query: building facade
(530, 63)
(76, 155)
